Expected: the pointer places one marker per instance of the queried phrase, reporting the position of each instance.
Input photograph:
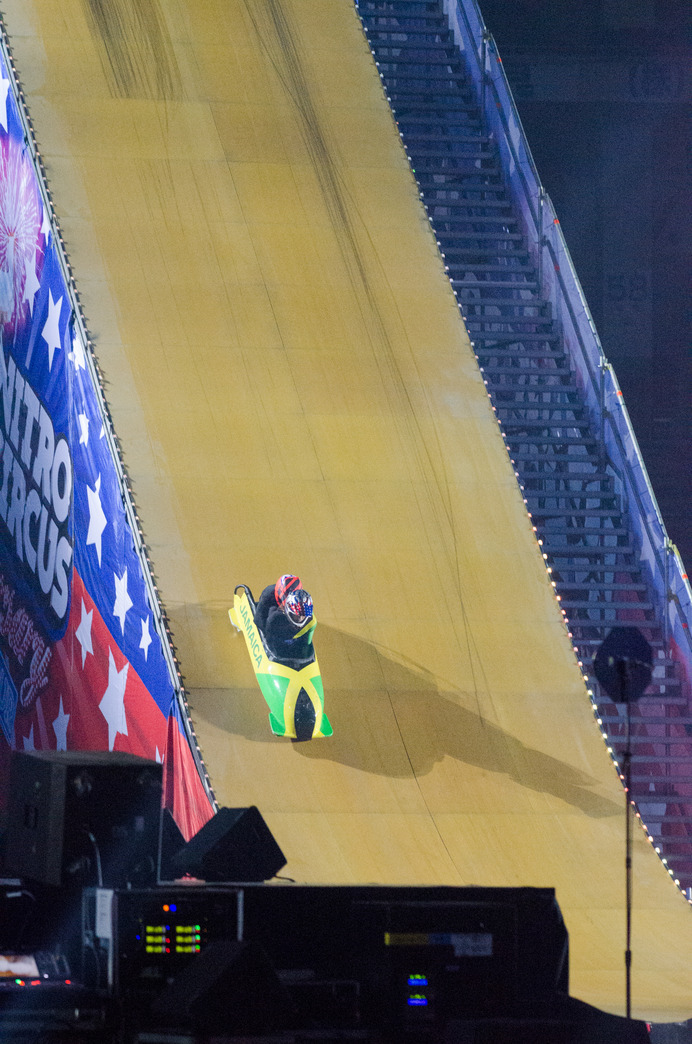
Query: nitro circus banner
(81, 663)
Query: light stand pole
(623, 667)
(623, 672)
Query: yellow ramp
(295, 391)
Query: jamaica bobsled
(292, 688)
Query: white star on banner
(51, 331)
(60, 727)
(83, 632)
(112, 706)
(123, 602)
(28, 741)
(83, 429)
(76, 356)
(145, 640)
(4, 88)
(45, 225)
(158, 757)
(31, 283)
(97, 519)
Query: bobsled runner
(292, 688)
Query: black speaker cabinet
(236, 845)
(230, 987)
(83, 818)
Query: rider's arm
(264, 604)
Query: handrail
(559, 281)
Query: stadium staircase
(559, 457)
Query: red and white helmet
(283, 586)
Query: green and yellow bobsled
(292, 688)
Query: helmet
(298, 607)
(283, 585)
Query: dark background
(604, 91)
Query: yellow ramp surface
(295, 391)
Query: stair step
(551, 400)
(569, 509)
(526, 353)
(503, 238)
(411, 41)
(557, 429)
(476, 267)
(513, 371)
(602, 586)
(536, 328)
(390, 6)
(414, 51)
(418, 75)
(437, 104)
(596, 572)
(535, 489)
(464, 119)
(514, 256)
(439, 92)
(521, 309)
(580, 604)
(573, 552)
(454, 187)
(467, 156)
(479, 221)
(501, 340)
(451, 140)
(488, 284)
(615, 719)
(518, 455)
(525, 423)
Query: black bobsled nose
(304, 716)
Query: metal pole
(623, 670)
(667, 551)
(484, 54)
(541, 205)
(627, 856)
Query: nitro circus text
(36, 481)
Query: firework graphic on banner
(21, 220)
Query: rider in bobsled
(284, 615)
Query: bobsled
(292, 689)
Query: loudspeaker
(230, 987)
(235, 845)
(83, 818)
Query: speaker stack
(82, 818)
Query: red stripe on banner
(183, 792)
(93, 699)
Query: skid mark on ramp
(136, 49)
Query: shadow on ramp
(395, 722)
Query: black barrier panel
(83, 818)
